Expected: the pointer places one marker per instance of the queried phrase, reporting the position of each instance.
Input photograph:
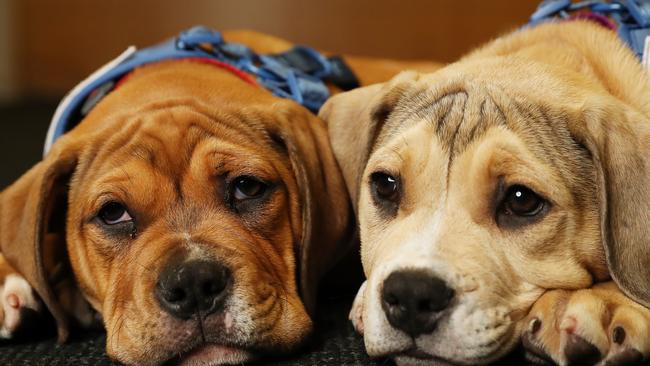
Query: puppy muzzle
(193, 288)
(412, 300)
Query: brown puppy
(520, 169)
(197, 213)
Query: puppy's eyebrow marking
(454, 136)
(449, 101)
(481, 109)
(447, 114)
(479, 123)
(543, 133)
(478, 113)
(540, 126)
(503, 120)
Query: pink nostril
(13, 301)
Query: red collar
(241, 74)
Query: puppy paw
(596, 326)
(19, 306)
(356, 313)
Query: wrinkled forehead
(167, 144)
(462, 115)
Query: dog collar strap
(299, 74)
(630, 18)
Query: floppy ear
(327, 221)
(355, 119)
(619, 142)
(30, 210)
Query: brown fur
(166, 143)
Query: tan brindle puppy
(196, 212)
(498, 198)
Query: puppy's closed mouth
(212, 354)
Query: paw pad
(596, 326)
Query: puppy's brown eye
(248, 187)
(521, 201)
(385, 186)
(114, 213)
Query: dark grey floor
(22, 132)
(334, 343)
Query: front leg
(20, 309)
(596, 326)
(356, 313)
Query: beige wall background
(54, 44)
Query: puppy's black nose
(193, 288)
(413, 299)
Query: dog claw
(13, 301)
(580, 352)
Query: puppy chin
(215, 354)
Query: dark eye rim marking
(521, 192)
(247, 187)
(121, 222)
(386, 202)
(242, 203)
(114, 213)
(531, 208)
